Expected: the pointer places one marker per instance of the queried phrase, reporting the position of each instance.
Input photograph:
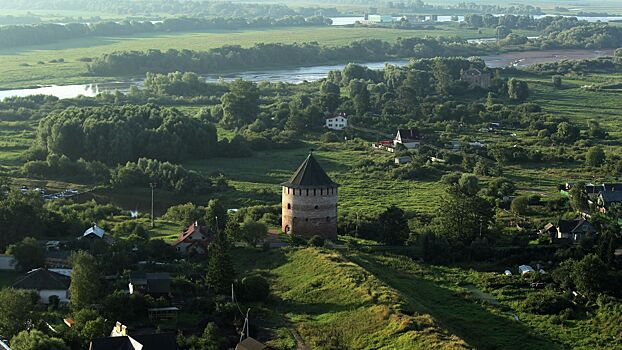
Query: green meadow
(31, 66)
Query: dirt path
(300, 343)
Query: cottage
(156, 284)
(476, 78)
(402, 160)
(120, 339)
(46, 284)
(95, 233)
(525, 270)
(409, 138)
(195, 239)
(574, 230)
(338, 122)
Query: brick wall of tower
(308, 212)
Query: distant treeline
(22, 35)
(194, 8)
(272, 55)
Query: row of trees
(22, 35)
(271, 55)
(176, 7)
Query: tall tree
(216, 215)
(595, 156)
(253, 231)
(36, 340)
(220, 272)
(86, 280)
(28, 254)
(578, 197)
(330, 96)
(394, 226)
(16, 311)
(463, 213)
(518, 90)
(357, 91)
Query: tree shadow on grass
(475, 324)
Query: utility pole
(152, 185)
(481, 223)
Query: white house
(338, 122)
(409, 138)
(46, 283)
(194, 239)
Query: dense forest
(23, 35)
(113, 134)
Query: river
(301, 74)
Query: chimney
(123, 330)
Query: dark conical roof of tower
(310, 174)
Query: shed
(525, 269)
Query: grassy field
(257, 179)
(30, 66)
(335, 304)
(481, 309)
(351, 299)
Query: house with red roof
(195, 239)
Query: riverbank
(294, 75)
(42, 65)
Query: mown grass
(334, 303)
(20, 67)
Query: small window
(317, 207)
(289, 205)
(306, 219)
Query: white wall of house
(44, 295)
(7, 263)
(337, 123)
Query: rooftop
(42, 279)
(310, 175)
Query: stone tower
(309, 202)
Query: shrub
(317, 241)
(254, 288)
(546, 303)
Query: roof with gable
(310, 175)
(250, 344)
(161, 341)
(572, 226)
(42, 279)
(185, 236)
(408, 134)
(95, 230)
(154, 282)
